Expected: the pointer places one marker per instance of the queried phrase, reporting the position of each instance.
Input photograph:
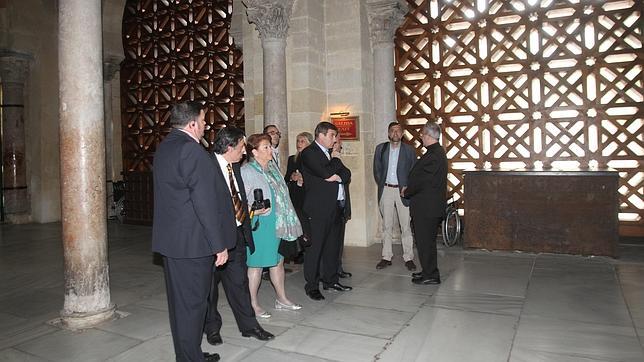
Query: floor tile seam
(303, 324)
(575, 355)
(279, 350)
(563, 319)
(628, 309)
(378, 308)
(50, 331)
(521, 310)
(358, 287)
(472, 310)
(99, 328)
(29, 353)
(446, 293)
(391, 340)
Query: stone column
(14, 69)
(111, 66)
(385, 16)
(271, 18)
(82, 164)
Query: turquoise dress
(266, 242)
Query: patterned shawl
(288, 225)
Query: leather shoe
(214, 339)
(315, 294)
(416, 275)
(383, 264)
(426, 281)
(258, 333)
(345, 275)
(211, 357)
(337, 286)
(410, 265)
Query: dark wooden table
(571, 212)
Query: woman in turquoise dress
(273, 224)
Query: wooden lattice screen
(524, 83)
(175, 50)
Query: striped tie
(237, 203)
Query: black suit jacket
(295, 192)
(193, 214)
(321, 196)
(427, 184)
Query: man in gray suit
(392, 162)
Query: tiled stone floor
(492, 306)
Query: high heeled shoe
(280, 305)
(263, 314)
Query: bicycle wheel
(451, 228)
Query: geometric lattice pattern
(176, 50)
(528, 83)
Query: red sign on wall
(348, 129)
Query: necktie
(237, 203)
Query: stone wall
(31, 27)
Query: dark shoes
(210, 357)
(383, 264)
(258, 333)
(345, 275)
(426, 281)
(315, 294)
(410, 265)
(416, 275)
(214, 339)
(337, 286)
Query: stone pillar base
(17, 218)
(75, 321)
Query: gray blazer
(254, 179)
(406, 160)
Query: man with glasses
(427, 188)
(275, 135)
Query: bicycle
(452, 225)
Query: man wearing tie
(324, 202)
(229, 148)
(188, 197)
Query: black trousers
(233, 276)
(321, 258)
(425, 231)
(187, 287)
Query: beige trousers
(391, 203)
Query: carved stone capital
(14, 67)
(385, 16)
(111, 65)
(271, 17)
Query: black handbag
(288, 248)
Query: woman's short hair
(307, 135)
(253, 141)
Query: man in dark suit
(193, 222)
(324, 201)
(392, 162)
(229, 147)
(427, 189)
(346, 216)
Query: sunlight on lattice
(528, 83)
